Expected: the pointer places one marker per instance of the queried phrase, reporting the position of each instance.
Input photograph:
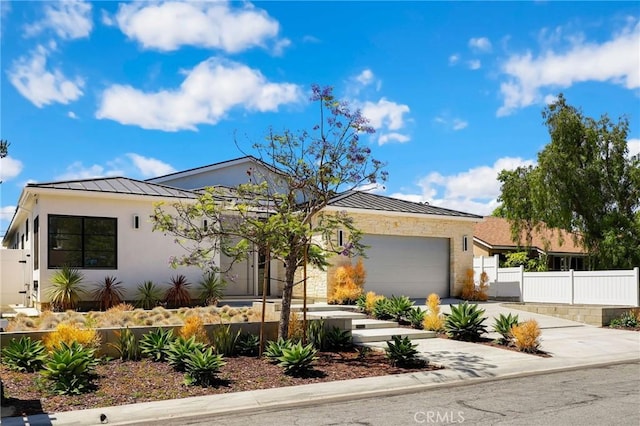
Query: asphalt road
(597, 396)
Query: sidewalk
(572, 345)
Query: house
(493, 236)
(102, 226)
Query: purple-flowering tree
(283, 210)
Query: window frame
(83, 242)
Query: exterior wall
(481, 251)
(319, 284)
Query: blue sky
(455, 90)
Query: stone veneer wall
(319, 283)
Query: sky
(455, 90)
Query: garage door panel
(410, 266)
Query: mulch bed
(490, 342)
(127, 382)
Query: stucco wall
(319, 284)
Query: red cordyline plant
(109, 292)
(177, 294)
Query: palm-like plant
(148, 295)
(66, 288)
(465, 322)
(211, 288)
(108, 292)
(177, 294)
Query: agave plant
(338, 339)
(178, 293)
(211, 288)
(382, 309)
(201, 367)
(400, 307)
(297, 359)
(70, 368)
(465, 322)
(275, 349)
(155, 344)
(108, 292)
(24, 354)
(401, 352)
(248, 344)
(179, 349)
(503, 325)
(149, 295)
(66, 288)
(415, 316)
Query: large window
(82, 242)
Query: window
(465, 243)
(36, 243)
(340, 238)
(82, 242)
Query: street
(597, 396)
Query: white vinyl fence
(620, 287)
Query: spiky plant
(400, 307)
(148, 295)
(503, 325)
(297, 359)
(108, 292)
(465, 322)
(178, 293)
(401, 352)
(24, 354)
(211, 288)
(66, 288)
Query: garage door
(409, 266)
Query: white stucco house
(102, 226)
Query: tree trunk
(287, 293)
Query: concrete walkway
(572, 345)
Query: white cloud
(614, 61)
(366, 77)
(29, 75)
(169, 25)
(150, 167)
(392, 137)
(207, 94)
(310, 39)
(9, 168)
(480, 44)
(474, 64)
(634, 146)
(77, 170)
(453, 124)
(459, 124)
(69, 19)
(475, 190)
(387, 117)
(453, 59)
(549, 99)
(6, 214)
(72, 115)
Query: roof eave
(403, 214)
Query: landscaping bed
(127, 382)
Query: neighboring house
(493, 236)
(102, 226)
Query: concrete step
(334, 314)
(367, 323)
(320, 307)
(384, 334)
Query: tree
(4, 148)
(585, 182)
(282, 211)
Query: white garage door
(409, 266)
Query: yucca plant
(211, 289)
(154, 344)
(465, 322)
(179, 349)
(401, 352)
(224, 340)
(274, 349)
(66, 288)
(70, 368)
(248, 344)
(108, 292)
(24, 354)
(177, 294)
(297, 359)
(126, 345)
(415, 317)
(149, 295)
(503, 325)
(202, 366)
(338, 339)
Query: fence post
(636, 273)
(522, 283)
(573, 290)
(496, 264)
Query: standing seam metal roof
(118, 185)
(367, 201)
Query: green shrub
(415, 317)
(70, 368)
(338, 339)
(503, 325)
(627, 320)
(179, 349)
(127, 345)
(248, 344)
(201, 367)
(316, 334)
(401, 352)
(382, 309)
(361, 302)
(465, 322)
(297, 359)
(154, 344)
(274, 349)
(24, 355)
(66, 288)
(399, 307)
(148, 296)
(224, 340)
(211, 289)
